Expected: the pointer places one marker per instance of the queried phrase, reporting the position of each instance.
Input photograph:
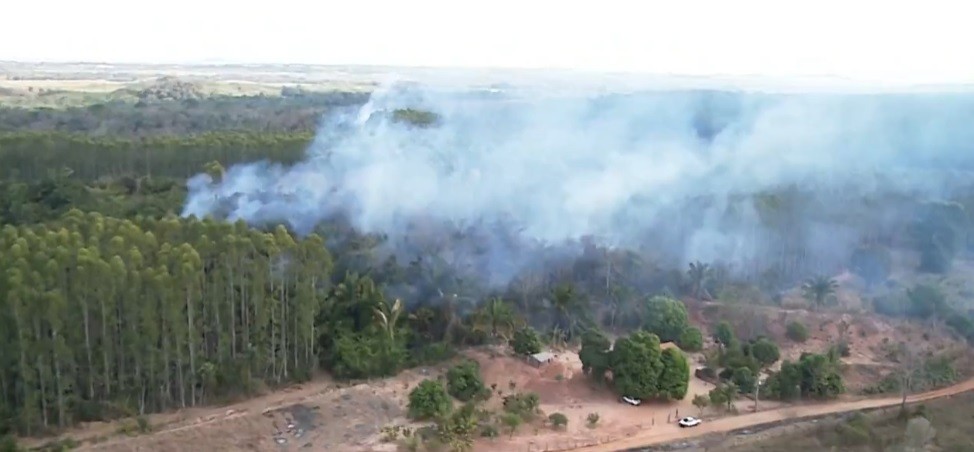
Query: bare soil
(672, 433)
(317, 416)
(575, 395)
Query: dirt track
(671, 433)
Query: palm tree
(819, 289)
(699, 274)
(495, 318)
(387, 316)
(568, 305)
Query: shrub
(744, 379)
(796, 332)
(855, 431)
(429, 400)
(142, 424)
(526, 341)
(411, 116)
(558, 420)
(523, 405)
(8, 444)
(765, 351)
(706, 373)
(843, 348)
(430, 354)
(724, 334)
(512, 421)
(691, 340)
(463, 381)
(592, 420)
(489, 431)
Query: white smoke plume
(613, 166)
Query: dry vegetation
(883, 429)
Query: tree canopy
(665, 317)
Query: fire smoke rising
(619, 167)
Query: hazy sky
(912, 41)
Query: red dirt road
(671, 432)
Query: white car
(631, 401)
(689, 421)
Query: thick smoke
(620, 167)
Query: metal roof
(543, 356)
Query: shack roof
(543, 357)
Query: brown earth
(575, 395)
(321, 415)
(672, 433)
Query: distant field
(68, 85)
(73, 84)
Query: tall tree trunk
(233, 314)
(105, 340)
(190, 343)
(57, 380)
(90, 368)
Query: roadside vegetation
(937, 425)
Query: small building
(540, 359)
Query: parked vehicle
(689, 421)
(631, 401)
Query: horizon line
(793, 81)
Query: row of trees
(30, 155)
(103, 317)
(142, 113)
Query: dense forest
(294, 111)
(112, 305)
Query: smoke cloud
(550, 168)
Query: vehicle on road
(631, 401)
(689, 421)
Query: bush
(463, 381)
(851, 434)
(489, 431)
(592, 419)
(724, 334)
(765, 351)
(691, 340)
(706, 373)
(411, 116)
(142, 424)
(855, 431)
(526, 341)
(523, 405)
(744, 379)
(429, 400)
(511, 421)
(796, 332)
(430, 354)
(843, 348)
(8, 444)
(558, 420)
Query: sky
(884, 41)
